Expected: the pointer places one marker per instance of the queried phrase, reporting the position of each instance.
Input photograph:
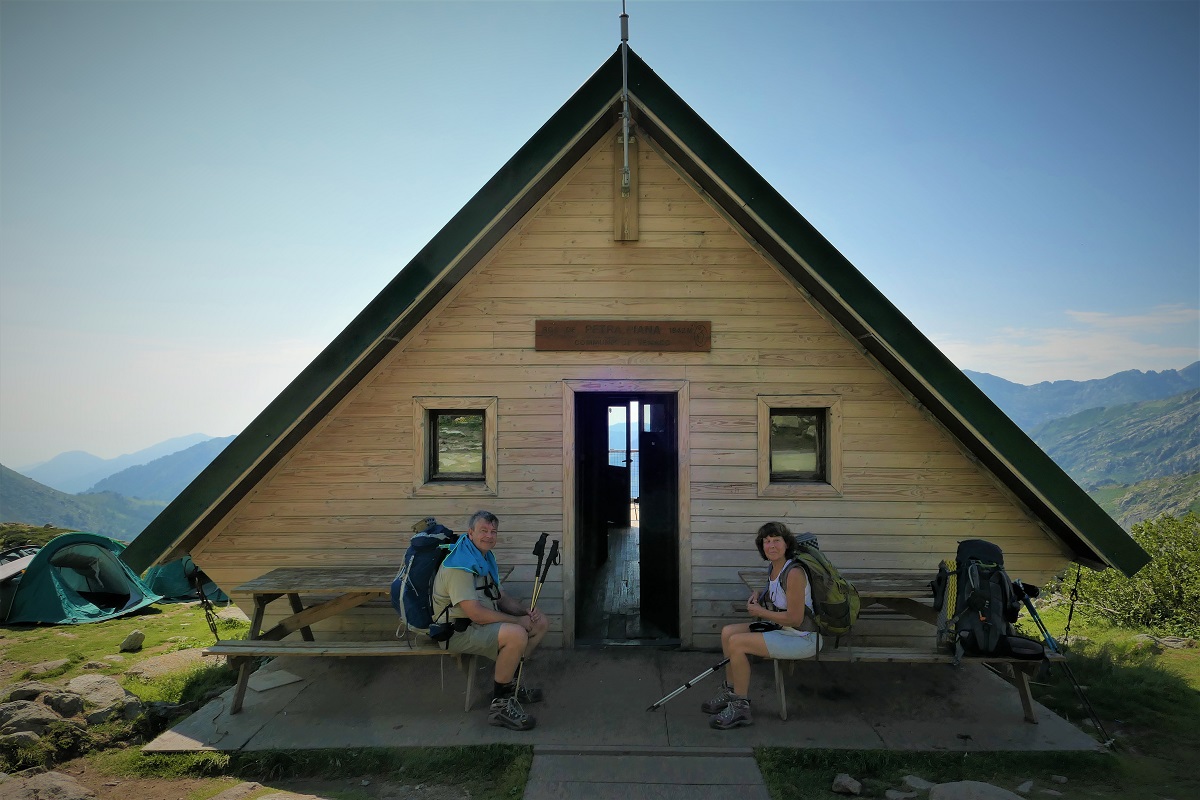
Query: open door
(658, 507)
(626, 519)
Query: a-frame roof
(746, 198)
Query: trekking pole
(539, 581)
(1026, 598)
(550, 561)
(539, 550)
(689, 684)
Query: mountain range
(77, 471)
(119, 505)
(1031, 406)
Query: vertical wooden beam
(625, 204)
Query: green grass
(1147, 698)
(166, 627)
(488, 772)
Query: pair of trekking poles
(539, 580)
(1026, 594)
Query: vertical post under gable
(625, 204)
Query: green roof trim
(746, 197)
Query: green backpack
(835, 601)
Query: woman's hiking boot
(718, 703)
(734, 715)
(529, 694)
(506, 712)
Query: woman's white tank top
(778, 597)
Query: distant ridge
(163, 478)
(23, 499)
(76, 471)
(1126, 444)
(1031, 406)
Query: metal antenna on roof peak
(625, 98)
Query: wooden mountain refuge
(647, 376)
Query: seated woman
(783, 606)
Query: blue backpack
(412, 588)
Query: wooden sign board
(673, 336)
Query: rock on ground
(26, 715)
(29, 690)
(133, 642)
(970, 790)
(47, 786)
(844, 784)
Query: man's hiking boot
(506, 712)
(734, 715)
(718, 703)
(526, 694)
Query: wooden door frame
(679, 388)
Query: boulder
(133, 642)
(98, 690)
(26, 715)
(970, 790)
(20, 739)
(844, 784)
(47, 785)
(65, 704)
(107, 697)
(1025, 788)
(29, 690)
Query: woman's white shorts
(790, 647)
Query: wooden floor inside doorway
(613, 613)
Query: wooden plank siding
(345, 494)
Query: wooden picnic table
(902, 592)
(337, 590)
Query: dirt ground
(366, 787)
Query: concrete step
(710, 775)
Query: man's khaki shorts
(480, 640)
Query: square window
(457, 449)
(454, 447)
(798, 445)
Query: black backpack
(977, 606)
(412, 588)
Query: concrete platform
(596, 703)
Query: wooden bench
(336, 589)
(903, 593)
(1017, 670)
(237, 649)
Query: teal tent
(75, 578)
(175, 581)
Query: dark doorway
(627, 509)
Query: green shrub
(1164, 595)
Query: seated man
(488, 621)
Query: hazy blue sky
(195, 198)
